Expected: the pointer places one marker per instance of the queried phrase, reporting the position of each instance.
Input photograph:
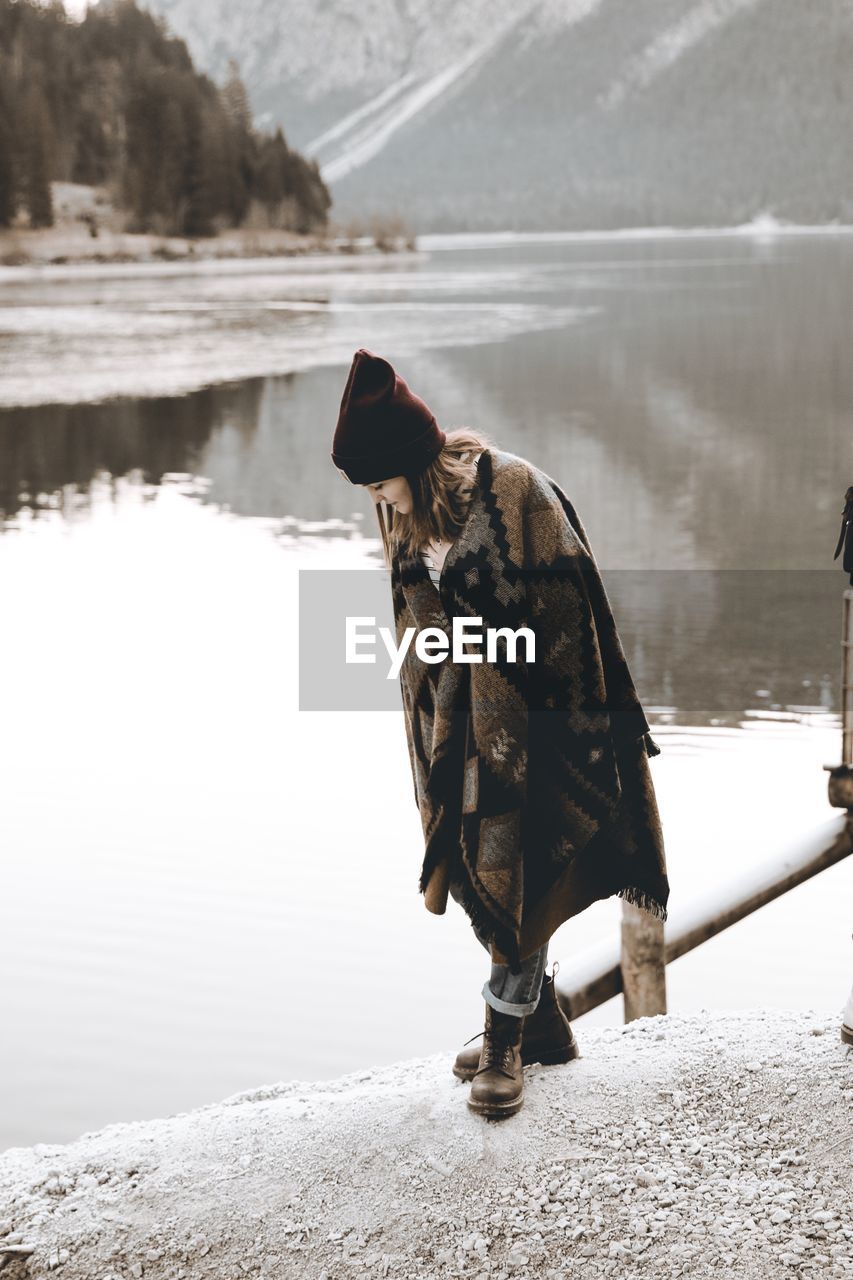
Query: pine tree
(271, 177)
(8, 200)
(235, 99)
(196, 202)
(115, 99)
(37, 159)
(92, 156)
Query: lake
(207, 889)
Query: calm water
(206, 889)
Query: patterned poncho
(531, 778)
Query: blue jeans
(507, 992)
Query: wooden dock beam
(595, 976)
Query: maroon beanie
(383, 429)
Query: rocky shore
(88, 229)
(61, 246)
(703, 1145)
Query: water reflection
(696, 411)
(50, 457)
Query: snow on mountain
(671, 44)
(322, 50)
(362, 134)
(550, 114)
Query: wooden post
(840, 786)
(847, 678)
(643, 963)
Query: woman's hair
(440, 497)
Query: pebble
(676, 1189)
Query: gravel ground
(674, 1146)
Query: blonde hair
(440, 497)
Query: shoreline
(69, 244)
(676, 1144)
(60, 246)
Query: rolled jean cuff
(503, 1006)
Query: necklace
(438, 552)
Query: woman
(529, 761)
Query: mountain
(552, 113)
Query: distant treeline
(115, 101)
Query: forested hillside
(115, 101)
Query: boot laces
(490, 1057)
(497, 1049)
(489, 1052)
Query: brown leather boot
(498, 1086)
(547, 1038)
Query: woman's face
(397, 492)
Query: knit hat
(383, 429)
